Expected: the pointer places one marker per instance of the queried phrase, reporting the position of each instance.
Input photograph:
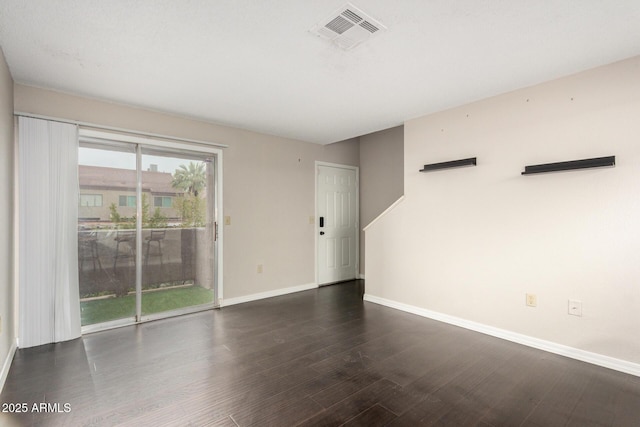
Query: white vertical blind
(48, 192)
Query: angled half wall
(468, 244)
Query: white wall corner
(268, 294)
(384, 213)
(7, 364)
(551, 347)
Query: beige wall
(268, 186)
(7, 334)
(471, 242)
(381, 176)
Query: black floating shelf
(452, 164)
(596, 162)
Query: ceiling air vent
(348, 27)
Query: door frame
(316, 225)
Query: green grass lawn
(103, 310)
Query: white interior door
(337, 223)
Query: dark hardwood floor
(313, 358)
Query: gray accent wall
(381, 176)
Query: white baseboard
(362, 276)
(563, 350)
(7, 364)
(269, 294)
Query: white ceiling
(253, 64)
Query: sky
(124, 160)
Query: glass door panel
(106, 232)
(146, 231)
(177, 231)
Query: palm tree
(190, 179)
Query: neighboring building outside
(102, 186)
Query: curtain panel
(48, 242)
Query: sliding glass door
(147, 237)
(106, 248)
(178, 231)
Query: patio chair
(156, 236)
(88, 249)
(128, 251)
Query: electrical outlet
(227, 220)
(575, 308)
(260, 268)
(532, 300)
